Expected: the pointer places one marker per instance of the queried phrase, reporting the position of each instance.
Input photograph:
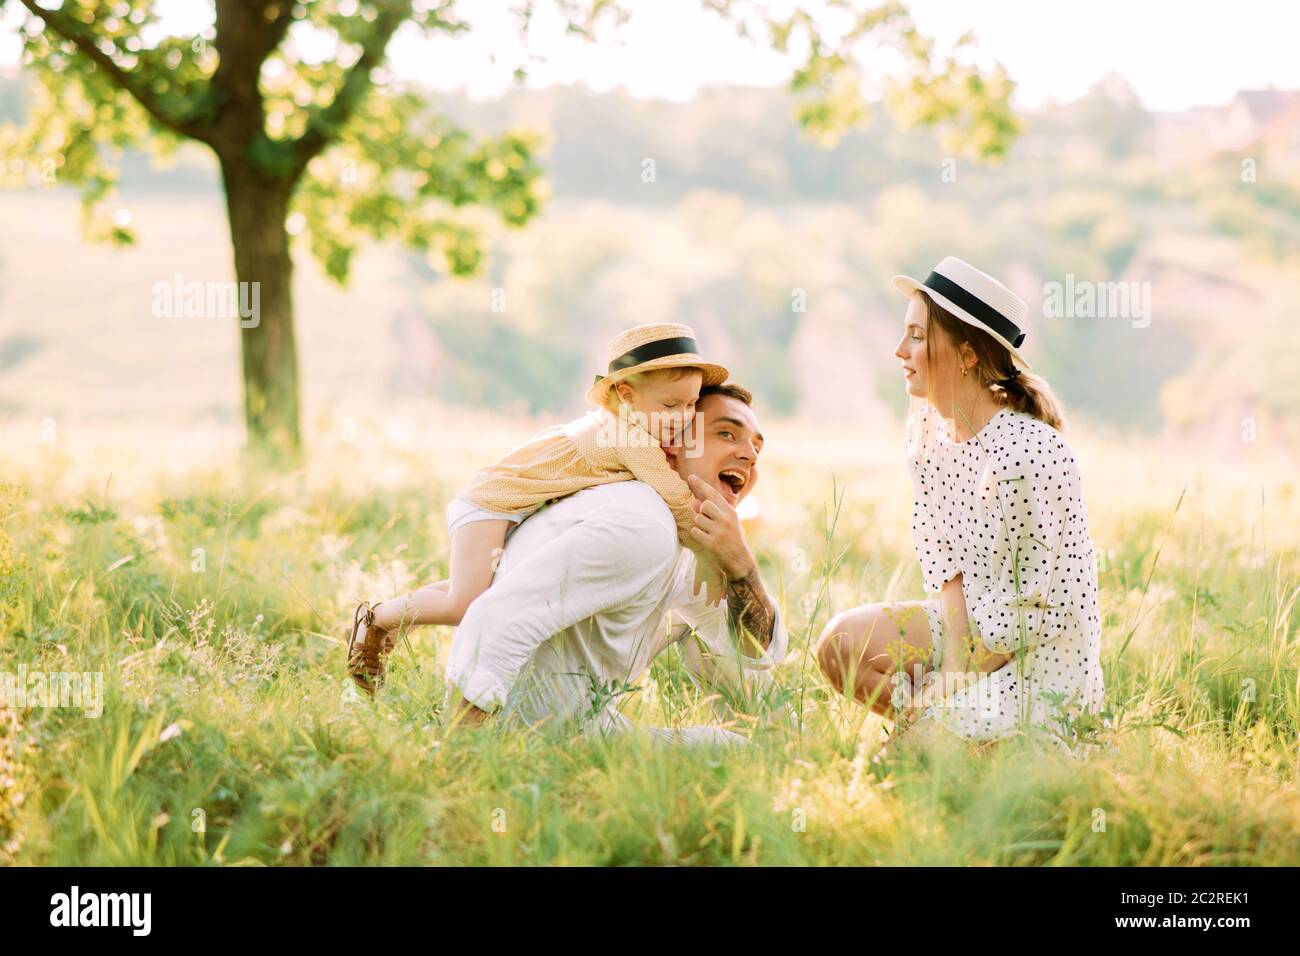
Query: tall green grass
(214, 606)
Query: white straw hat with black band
(977, 299)
(649, 347)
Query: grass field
(213, 603)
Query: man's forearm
(752, 613)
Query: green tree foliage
(342, 150)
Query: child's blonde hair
(654, 375)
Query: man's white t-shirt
(581, 604)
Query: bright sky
(1175, 55)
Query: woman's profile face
(924, 380)
(911, 348)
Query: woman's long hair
(1025, 392)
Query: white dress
(1005, 509)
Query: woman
(1012, 641)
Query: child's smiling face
(667, 404)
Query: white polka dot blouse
(1005, 510)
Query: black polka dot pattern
(1005, 510)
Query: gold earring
(963, 371)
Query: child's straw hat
(648, 347)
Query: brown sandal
(368, 649)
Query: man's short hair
(730, 389)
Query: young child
(645, 400)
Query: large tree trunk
(257, 206)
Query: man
(578, 607)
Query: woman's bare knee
(829, 650)
(860, 648)
(842, 649)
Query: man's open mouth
(733, 478)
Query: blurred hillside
(778, 252)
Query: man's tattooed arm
(753, 614)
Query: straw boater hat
(648, 347)
(977, 299)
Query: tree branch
(70, 30)
(324, 126)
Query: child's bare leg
(405, 608)
(475, 548)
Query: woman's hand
(919, 735)
(909, 714)
(932, 692)
(962, 653)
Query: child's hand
(708, 575)
(716, 592)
